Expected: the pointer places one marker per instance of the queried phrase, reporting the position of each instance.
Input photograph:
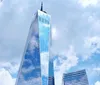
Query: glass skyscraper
(75, 78)
(34, 66)
(51, 80)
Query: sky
(75, 36)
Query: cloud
(54, 33)
(15, 24)
(94, 21)
(12, 67)
(66, 61)
(5, 78)
(97, 69)
(92, 45)
(86, 3)
(66, 31)
(92, 42)
(97, 83)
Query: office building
(75, 78)
(36, 53)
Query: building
(75, 78)
(51, 80)
(34, 65)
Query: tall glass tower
(34, 66)
(75, 78)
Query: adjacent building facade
(34, 66)
(51, 80)
(75, 78)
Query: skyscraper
(75, 78)
(34, 65)
(51, 80)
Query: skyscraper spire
(41, 6)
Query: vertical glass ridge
(44, 30)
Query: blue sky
(75, 35)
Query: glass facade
(36, 54)
(51, 73)
(44, 34)
(75, 78)
(51, 81)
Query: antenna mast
(41, 6)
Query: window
(43, 20)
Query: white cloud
(97, 83)
(92, 44)
(10, 67)
(54, 33)
(97, 69)
(66, 63)
(86, 3)
(5, 78)
(91, 41)
(95, 25)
